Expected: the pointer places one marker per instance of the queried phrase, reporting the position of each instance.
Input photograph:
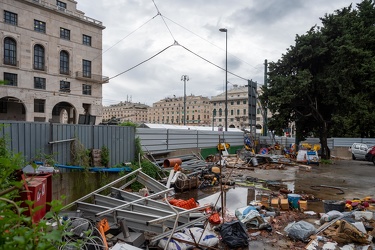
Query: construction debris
(157, 218)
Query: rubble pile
(156, 217)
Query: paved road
(356, 178)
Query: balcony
(91, 77)
(11, 62)
(65, 72)
(40, 67)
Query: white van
(359, 150)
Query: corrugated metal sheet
(154, 139)
(29, 139)
(32, 138)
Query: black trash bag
(234, 234)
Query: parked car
(370, 156)
(359, 151)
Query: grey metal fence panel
(153, 139)
(208, 139)
(172, 139)
(32, 138)
(60, 144)
(26, 138)
(179, 139)
(234, 138)
(348, 142)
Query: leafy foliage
(148, 168)
(80, 155)
(17, 230)
(104, 156)
(325, 83)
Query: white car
(359, 150)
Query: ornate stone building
(171, 111)
(51, 61)
(126, 111)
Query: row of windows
(175, 104)
(231, 112)
(10, 58)
(40, 26)
(177, 121)
(40, 83)
(231, 103)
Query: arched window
(39, 57)
(10, 51)
(220, 112)
(64, 62)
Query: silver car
(359, 150)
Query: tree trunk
(325, 151)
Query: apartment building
(126, 111)
(51, 62)
(243, 108)
(171, 111)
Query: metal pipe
(53, 142)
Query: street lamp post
(226, 77)
(184, 78)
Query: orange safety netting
(187, 204)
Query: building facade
(171, 111)
(51, 62)
(238, 117)
(126, 111)
(240, 102)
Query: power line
(213, 63)
(142, 61)
(126, 36)
(208, 41)
(170, 32)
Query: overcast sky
(185, 40)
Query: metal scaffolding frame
(151, 214)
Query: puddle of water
(290, 185)
(233, 198)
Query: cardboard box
(303, 205)
(275, 203)
(284, 204)
(265, 200)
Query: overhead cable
(127, 36)
(143, 61)
(213, 63)
(206, 40)
(170, 32)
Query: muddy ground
(341, 180)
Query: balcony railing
(11, 62)
(91, 77)
(39, 67)
(68, 12)
(65, 72)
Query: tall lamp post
(184, 78)
(226, 77)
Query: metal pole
(184, 78)
(213, 120)
(265, 119)
(226, 80)
(226, 77)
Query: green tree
(325, 83)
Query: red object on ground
(187, 204)
(37, 193)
